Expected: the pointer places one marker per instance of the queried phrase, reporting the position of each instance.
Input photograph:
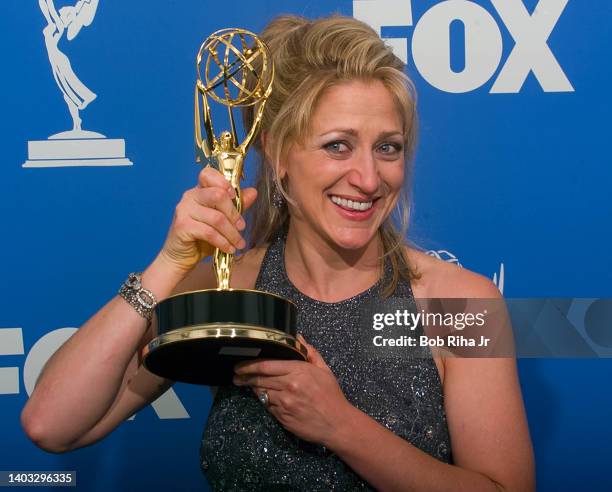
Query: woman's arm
(95, 381)
(487, 424)
(490, 441)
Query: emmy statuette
(203, 334)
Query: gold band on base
(232, 331)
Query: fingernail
(231, 192)
(242, 244)
(241, 224)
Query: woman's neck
(323, 271)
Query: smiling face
(347, 174)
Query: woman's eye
(337, 147)
(390, 148)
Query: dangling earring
(278, 200)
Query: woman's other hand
(205, 219)
(303, 396)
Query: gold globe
(234, 68)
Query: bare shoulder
(441, 279)
(244, 273)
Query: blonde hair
(310, 56)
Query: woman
(336, 138)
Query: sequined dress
(245, 448)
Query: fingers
(213, 208)
(212, 236)
(277, 383)
(218, 199)
(217, 210)
(206, 223)
(210, 177)
(267, 367)
(274, 396)
(206, 218)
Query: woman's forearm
(390, 463)
(81, 380)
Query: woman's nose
(365, 174)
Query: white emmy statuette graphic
(499, 281)
(443, 254)
(76, 147)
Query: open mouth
(352, 205)
(354, 209)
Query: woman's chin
(353, 239)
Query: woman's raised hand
(205, 219)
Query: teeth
(351, 204)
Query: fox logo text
(481, 39)
(167, 406)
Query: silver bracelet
(141, 299)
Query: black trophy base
(203, 334)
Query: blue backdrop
(512, 179)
